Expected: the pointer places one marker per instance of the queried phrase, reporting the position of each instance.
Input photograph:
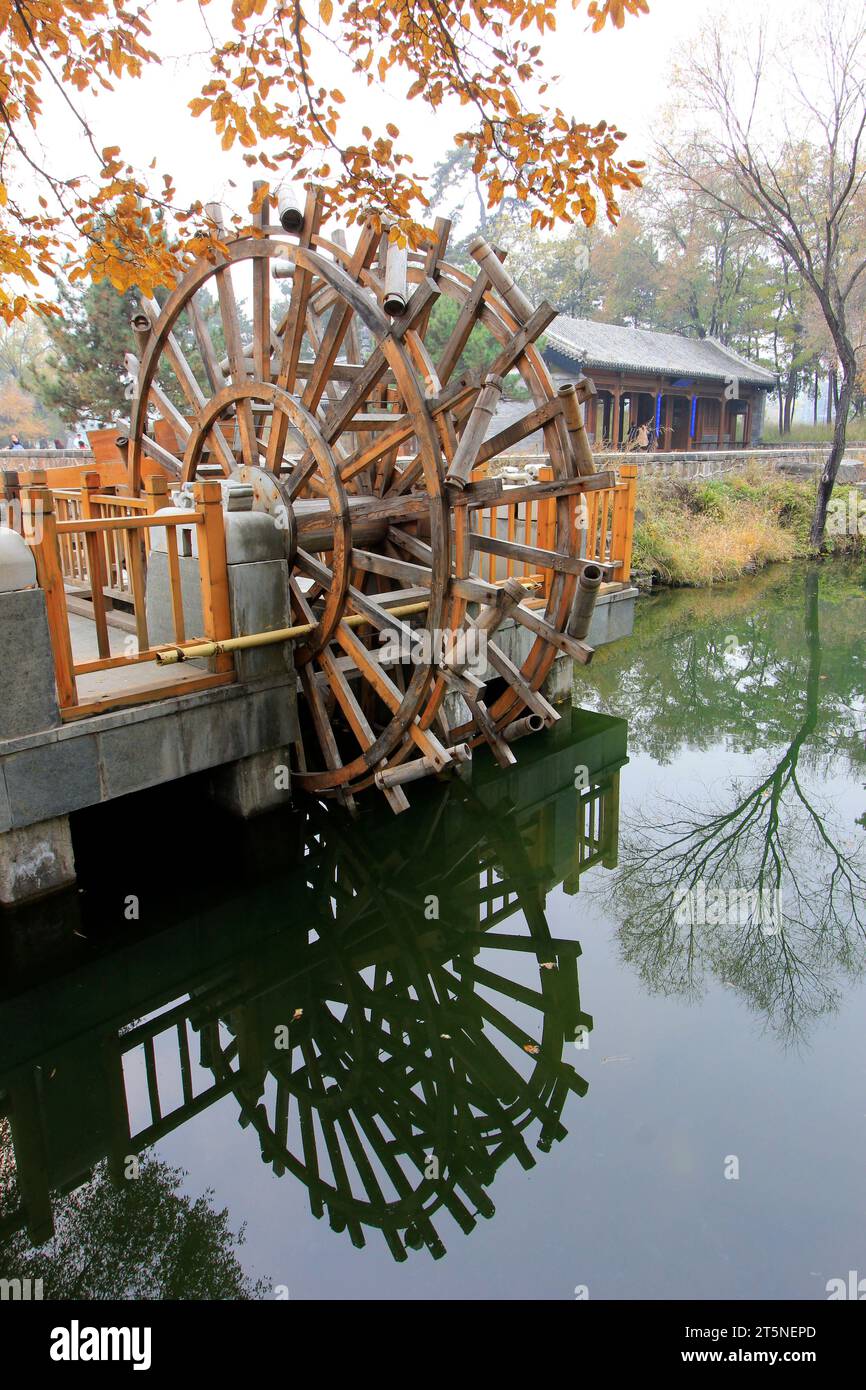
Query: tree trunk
(835, 456)
(831, 394)
(815, 400)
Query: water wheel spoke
(261, 299)
(338, 324)
(356, 719)
(205, 346)
(188, 384)
(533, 699)
(231, 324)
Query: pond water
(591, 1027)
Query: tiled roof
(609, 345)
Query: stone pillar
(258, 575)
(34, 859)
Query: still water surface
(592, 1025)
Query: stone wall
(23, 460)
(716, 463)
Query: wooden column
(668, 403)
(40, 532)
(592, 417)
(614, 424)
(96, 566)
(156, 492)
(622, 526)
(213, 567)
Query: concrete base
(254, 785)
(35, 860)
(27, 664)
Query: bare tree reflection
(694, 888)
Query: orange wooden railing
(102, 538)
(608, 518)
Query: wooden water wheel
(371, 448)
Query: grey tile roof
(609, 345)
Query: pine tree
(85, 378)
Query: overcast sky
(619, 76)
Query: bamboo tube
(422, 767)
(406, 772)
(473, 435)
(396, 288)
(532, 724)
(482, 252)
(580, 445)
(584, 601)
(491, 617)
(289, 213)
(141, 332)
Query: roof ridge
(705, 357)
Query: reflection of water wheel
(403, 1088)
(376, 443)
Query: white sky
(619, 76)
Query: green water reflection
(360, 995)
(759, 878)
(374, 1034)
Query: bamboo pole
(571, 396)
(473, 434)
(396, 289)
(481, 251)
(584, 602)
(198, 650)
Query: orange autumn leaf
(264, 95)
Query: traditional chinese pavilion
(689, 393)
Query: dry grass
(707, 532)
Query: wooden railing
(103, 537)
(95, 542)
(118, 560)
(605, 514)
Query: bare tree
(784, 122)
